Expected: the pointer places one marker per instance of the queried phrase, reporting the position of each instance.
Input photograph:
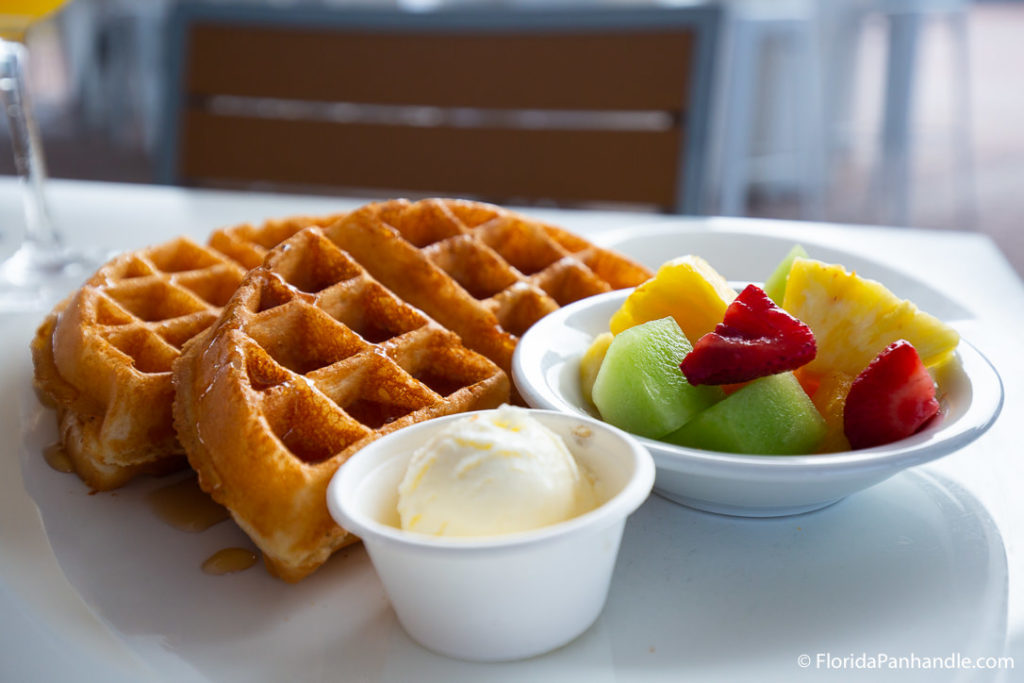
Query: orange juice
(17, 15)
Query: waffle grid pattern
(266, 419)
(148, 305)
(103, 357)
(375, 358)
(482, 271)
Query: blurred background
(897, 112)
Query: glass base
(34, 279)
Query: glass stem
(28, 152)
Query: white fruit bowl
(545, 368)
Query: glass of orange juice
(42, 268)
(17, 15)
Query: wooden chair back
(570, 106)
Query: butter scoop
(491, 473)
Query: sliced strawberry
(890, 399)
(755, 339)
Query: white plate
(95, 588)
(545, 367)
(119, 596)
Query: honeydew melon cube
(770, 416)
(640, 388)
(775, 285)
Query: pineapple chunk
(830, 400)
(686, 288)
(854, 318)
(590, 364)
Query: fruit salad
(819, 360)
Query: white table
(928, 564)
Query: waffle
(385, 302)
(103, 357)
(484, 272)
(248, 243)
(312, 359)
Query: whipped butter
(492, 473)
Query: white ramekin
(502, 597)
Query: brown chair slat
(561, 165)
(627, 70)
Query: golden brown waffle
(312, 359)
(249, 243)
(482, 271)
(103, 357)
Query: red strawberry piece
(890, 399)
(755, 339)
